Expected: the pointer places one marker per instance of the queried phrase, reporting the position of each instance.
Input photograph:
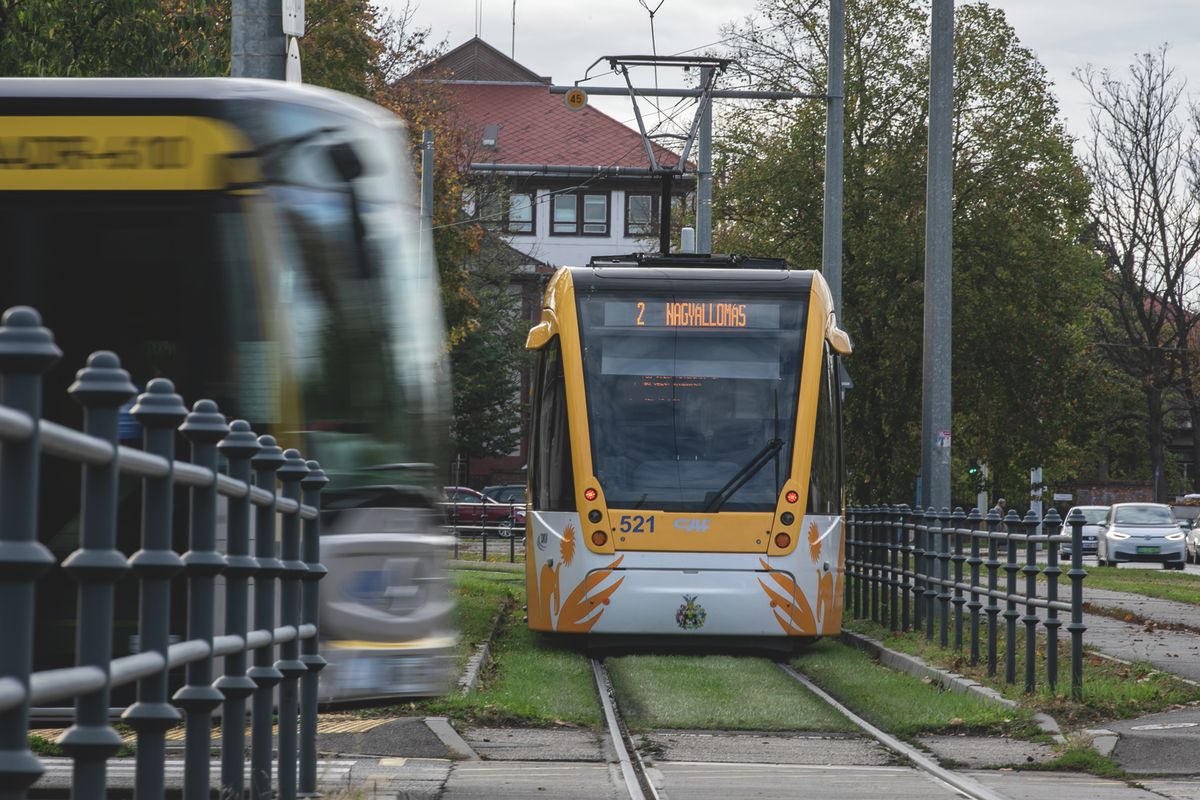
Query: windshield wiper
(743, 475)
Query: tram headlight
(599, 538)
(782, 540)
(594, 515)
(787, 518)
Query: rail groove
(633, 770)
(962, 784)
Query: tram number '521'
(637, 523)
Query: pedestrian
(999, 508)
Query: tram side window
(553, 482)
(825, 478)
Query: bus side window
(553, 481)
(825, 481)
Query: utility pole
(939, 186)
(704, 173)
(427, 194)
(258, 47)
(835, 125)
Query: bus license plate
(1147, 550)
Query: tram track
(640, 787)
(962, 784)
(633, 769)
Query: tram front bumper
(364, 670)
(706, 602)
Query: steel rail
(959, 783)
(637, 783)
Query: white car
(1093, 526)
(1141, 532)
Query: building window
(512, 213)
(641, 214)
(580, 214)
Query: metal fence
(474, 525)
(27, 350)
(930, 570)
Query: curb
(442, 729)
(478, 660)
(902, 662)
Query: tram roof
(653, 270)
(49, 95)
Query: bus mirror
(538, 336)
(345, 161)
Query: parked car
(1094, 517)
(1141, 532)
(506, 493)
(469, 508)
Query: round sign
(292, 68)
(576, 99)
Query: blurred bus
(257, 243)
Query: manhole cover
(1165, 726)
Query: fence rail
(914, 570)
(27, 350)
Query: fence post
(918, 566)
(159, 410)
(975, 520)
(943, 556)
(905, 561)
(1052, 525)
(1012, 523)
(204, 427)
(289, 664)
(893, 535)
(26, 351)
(263, 673)
(959, 522)
(238, 448)
(1076, 626)
(1030, 619)
(993, 584)
(309, 651)
(101, 388)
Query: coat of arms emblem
(690, 615)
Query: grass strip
(1180, 587)
(717, 692)
(903, 704)
(1111, 690)
(479, 597)
(532, 681)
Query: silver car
(1141, 532)
(1094, 517)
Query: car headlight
(1118, 535)
(1174, 537)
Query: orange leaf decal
(791, 610)
(578, 614)
(814, 542)
(566, 547)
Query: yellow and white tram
(685, 474)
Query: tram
(258, 243)
(685, 476)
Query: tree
(1142, 161)
(1023, 279)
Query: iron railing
(473, 527)
(27, 350)
(913, 570)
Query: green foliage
(1023, 282)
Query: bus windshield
(686, 393)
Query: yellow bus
(685, 475)
(258, 243)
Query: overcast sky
(561, 38)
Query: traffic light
(973, 469)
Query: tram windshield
(686, 395)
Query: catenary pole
(935, 377)
(258, 48)
(831, 242)
(704, 174)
